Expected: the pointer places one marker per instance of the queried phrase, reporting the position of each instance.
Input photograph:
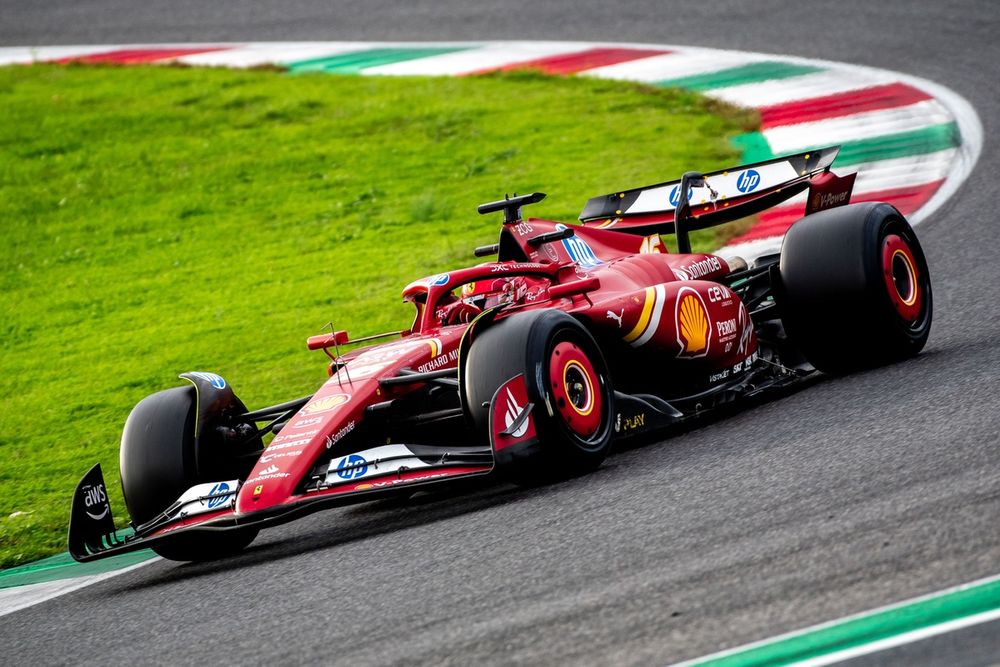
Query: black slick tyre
(855, 291)
(157, 464)
(567, 380)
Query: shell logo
(693, 330)
(325, 404)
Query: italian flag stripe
(580, 61)
(355, 62)
(752, 73)
(888, 96)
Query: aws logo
(325, 404)
(95, 497)
(694, 330)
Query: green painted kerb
(62, 566)
(956, 604)
(885, 147)
(356, 61)
(735, 76)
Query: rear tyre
(158, 465)
(563, 368)
(855, 291)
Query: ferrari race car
(534, 365)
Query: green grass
(157, 220)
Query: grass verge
(160, 219)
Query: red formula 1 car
(533, 365)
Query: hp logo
(217, 492)
(748, 181)
(675, 195)
(352, 467)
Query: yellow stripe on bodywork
(647, 310)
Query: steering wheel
(459, 312)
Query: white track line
(22, 597)
(840, 621)
(900, 640)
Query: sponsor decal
(308, 421)
(828, 199)
(440, 279)
(95, 496)
(675, 195)
(633, 422)
(325, 404)
(692, 323)
(298, 442)
(513, 410)
(215, 380)
(257, 490)
(747, 324)
(550, 252)
(468, 289)
(719, 376)
(394, 482)
(718, 293)
(354, 371)
(612, 315)
(651, 245)
(523, 229)
(273, 475)
(285, 437)
(280, 455)
(218, 495)
(332, 440)
(438, 362)
(726, 327)
(748, 181)
(680, 274)
(352, 466)
(700, 268)
(579, 250)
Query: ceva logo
(352, 467)
(748, 181)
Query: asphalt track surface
(853, 493)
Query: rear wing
(722, 196)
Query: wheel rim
(902, 278)
(576, 389)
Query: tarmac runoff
(912, 141)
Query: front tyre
(157, 464)
(855, 290)
(567, 380)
